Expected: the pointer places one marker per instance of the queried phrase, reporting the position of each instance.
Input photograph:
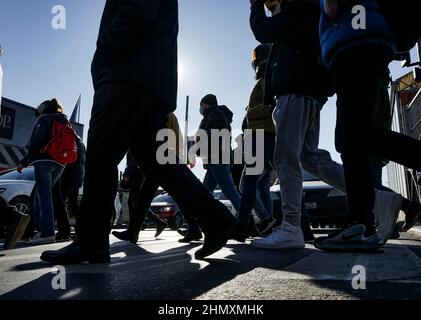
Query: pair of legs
(297, 120)
(358, 72)
(63, 192)
(124, 117)
(220, 175)
(47, 174)
(249, 183)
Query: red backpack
(62, 147)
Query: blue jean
(220, 174)
(47, 173)
(253, 185)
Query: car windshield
(163, 198)
(27, 174)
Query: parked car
(165, 208)
(326, 206)
(16, 189)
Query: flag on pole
(76, 111)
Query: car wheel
(22, 204)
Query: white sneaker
(286, 236)
(386, 210)
(41, 241)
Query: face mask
(202, 110)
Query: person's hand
(19, 168)
(192, 163)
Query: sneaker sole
(20, 230)
(348, 249)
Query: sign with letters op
(7, 123)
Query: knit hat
(209, 99)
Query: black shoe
(216, 234)
(74, 254)
(252, 230)
(159, 229)
(17, 228)
(239, 232)
(191, 236)
(126, 236)
(182, 232)
(411, 216)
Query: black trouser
(63, 191)
(139, 205)
(358, 72)
(125, 118)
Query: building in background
(406, 104)
(16, 123)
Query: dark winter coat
(216, 117)
(41, 136)
(137, 45)
(294, 65)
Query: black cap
(209, 99)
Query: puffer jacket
(40, 137)
(259, 115)
(340, 35)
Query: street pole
(186, 130)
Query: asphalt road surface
(165, 269)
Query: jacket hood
(228, 113)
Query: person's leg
(72, 196)
(292, 116)
(107, 145)
(144, 199)
(60, 213)
(222, 176)
(209, 181)
(213, 217)
(263, 188)
(353, 74)
(318, 162)
(259, 207)
(44, 181)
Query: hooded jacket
(294, 65)
(137, 45)
(340, 35)
(40, 137)
(216, 117)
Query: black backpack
(404, 20)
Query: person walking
(47, 169)
(135, 79)
(359, 58)
(67, 190)
(298, 85)
(259, 117)
(216, 119)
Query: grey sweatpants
(297, 120)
